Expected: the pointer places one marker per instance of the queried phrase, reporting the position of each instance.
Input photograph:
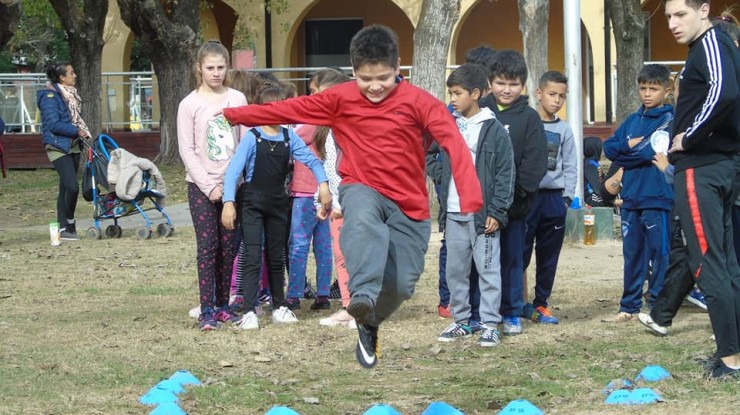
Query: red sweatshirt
(383, 145)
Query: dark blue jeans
(512, 268)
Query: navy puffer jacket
(57, 129)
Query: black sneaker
(361, 307)
(367, 346)
(66, 235)
(293, 304)
(321, 303)
(308, 292)
(724, 372)
(710, 363)
(334, 292)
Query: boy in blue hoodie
(647, 197)
(475, 238)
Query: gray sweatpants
(464, 247)
(383, 249)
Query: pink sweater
(207, 142)
(303, 179)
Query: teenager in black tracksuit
(705, 148)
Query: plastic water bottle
(589, 226)
(54, 233)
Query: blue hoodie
(643, 185)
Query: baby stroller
(108, 205)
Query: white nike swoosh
(369, 359)
(651, 227)
(559, 227)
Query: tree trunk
(629, 27)
(84, 30)
(168, 33)
(10, 15)
(173, 87)
(431, 43)
(533, 19)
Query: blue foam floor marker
(169, 408)
(171, 385)
(382, 409)
(281, 410)
(643, 396)
(617, 384)
(521, 407)
(184, 377)
(441, 408)
(640, 396)
(653, 374)
(618, 397)
(157, 396)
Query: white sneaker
(283, 315)
(648, 322)
(195, 312)
(249, 322)
(340, 318)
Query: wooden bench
(25, 151)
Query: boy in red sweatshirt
(381, 124)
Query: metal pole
(574, 102)
(608, 63)
(268, 37)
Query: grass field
(88, 327)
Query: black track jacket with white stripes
(708, 107)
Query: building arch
(385, 12)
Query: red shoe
(444, 312)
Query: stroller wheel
(113, 231)
(93, 233)
(165, 230)
(144, 233)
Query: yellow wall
(663, 45)
(482, 21)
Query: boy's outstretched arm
(444, 131)
(316, 109)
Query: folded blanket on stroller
(126, 174)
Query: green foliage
(139, 61)
(244, 38)
(39, 36)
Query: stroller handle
(104, 141)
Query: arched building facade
(317, 32)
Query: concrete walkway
(179, 214)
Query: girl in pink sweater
(206, 144)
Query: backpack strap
(286, 137)
(256, 134)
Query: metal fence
(127, 102)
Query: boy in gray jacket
(546, 220)
(475, 238)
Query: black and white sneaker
(367, 346)
(490, 338)
(66, 235)
(362, 308)
(69, 232)
(455, 331)
(334, 292)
